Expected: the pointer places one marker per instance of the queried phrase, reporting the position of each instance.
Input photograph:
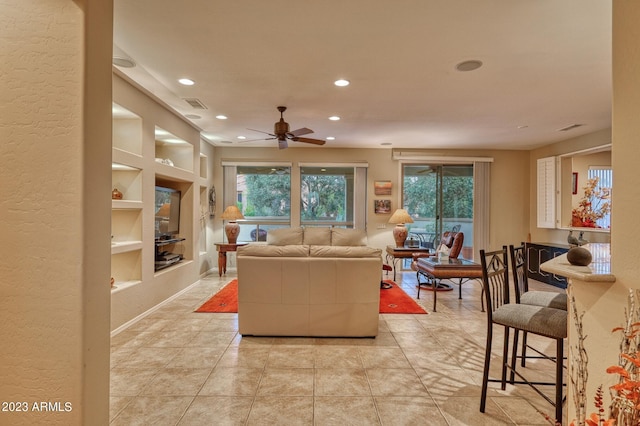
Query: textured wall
(43, 318)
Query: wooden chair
(523, 295)
(542, 321)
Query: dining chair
(539, 320)
(523, 295)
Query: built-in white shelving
(153, 147)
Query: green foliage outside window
(420, 196)
(323, 197)
(267, 195)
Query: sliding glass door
(439, 198)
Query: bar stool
(542, 321)
(523, 295)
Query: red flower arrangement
(594, 205)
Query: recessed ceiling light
(385, 144)
(469, 65)
(123, 62)
(186, 82)
(330, 138)
(341, 82)
(221, 117)
(242, 137)
(226, 142)
(193, 116)
(334, 118)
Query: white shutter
(546, 192)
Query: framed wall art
(382, 187)
(382, 206)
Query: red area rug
(395, 301)
(392, 301)
(225, 300)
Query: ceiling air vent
(195, 103)
(571, 127)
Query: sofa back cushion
(344, 251)
(284, 236)
(348, 237)
(265, 250)
(317, 236)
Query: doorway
(439, 198)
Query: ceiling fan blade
(299, 132)
(309, 140)
(260, 131)
(254, 140)
(282, 144)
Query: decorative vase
(400, 234)
(116, 195)
(232, 229)
(576, 221)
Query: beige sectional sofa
(309, 282)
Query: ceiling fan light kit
(282, 134)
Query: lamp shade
(232, 229)
(400, 217)
(232, 213)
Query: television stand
(164, 259)
(164, 241)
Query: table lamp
(400, 217)
(232, 229)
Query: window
(605, 180)
(439, 198)
(330, 194)
(263, 193)
(326, 196)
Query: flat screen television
(167, 207)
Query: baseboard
(151, 310)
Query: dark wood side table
(222, 249)
(396, 253)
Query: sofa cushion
(263, 250)
(317, 236)
(284, 236)
(344, 251)
(348, 237)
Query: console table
(222, 249)
(436, 269)
(539, 253)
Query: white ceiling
(546, 66)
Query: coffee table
(396, 253)
(436, 269)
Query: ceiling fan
(282, 134)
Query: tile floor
(177, 367)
